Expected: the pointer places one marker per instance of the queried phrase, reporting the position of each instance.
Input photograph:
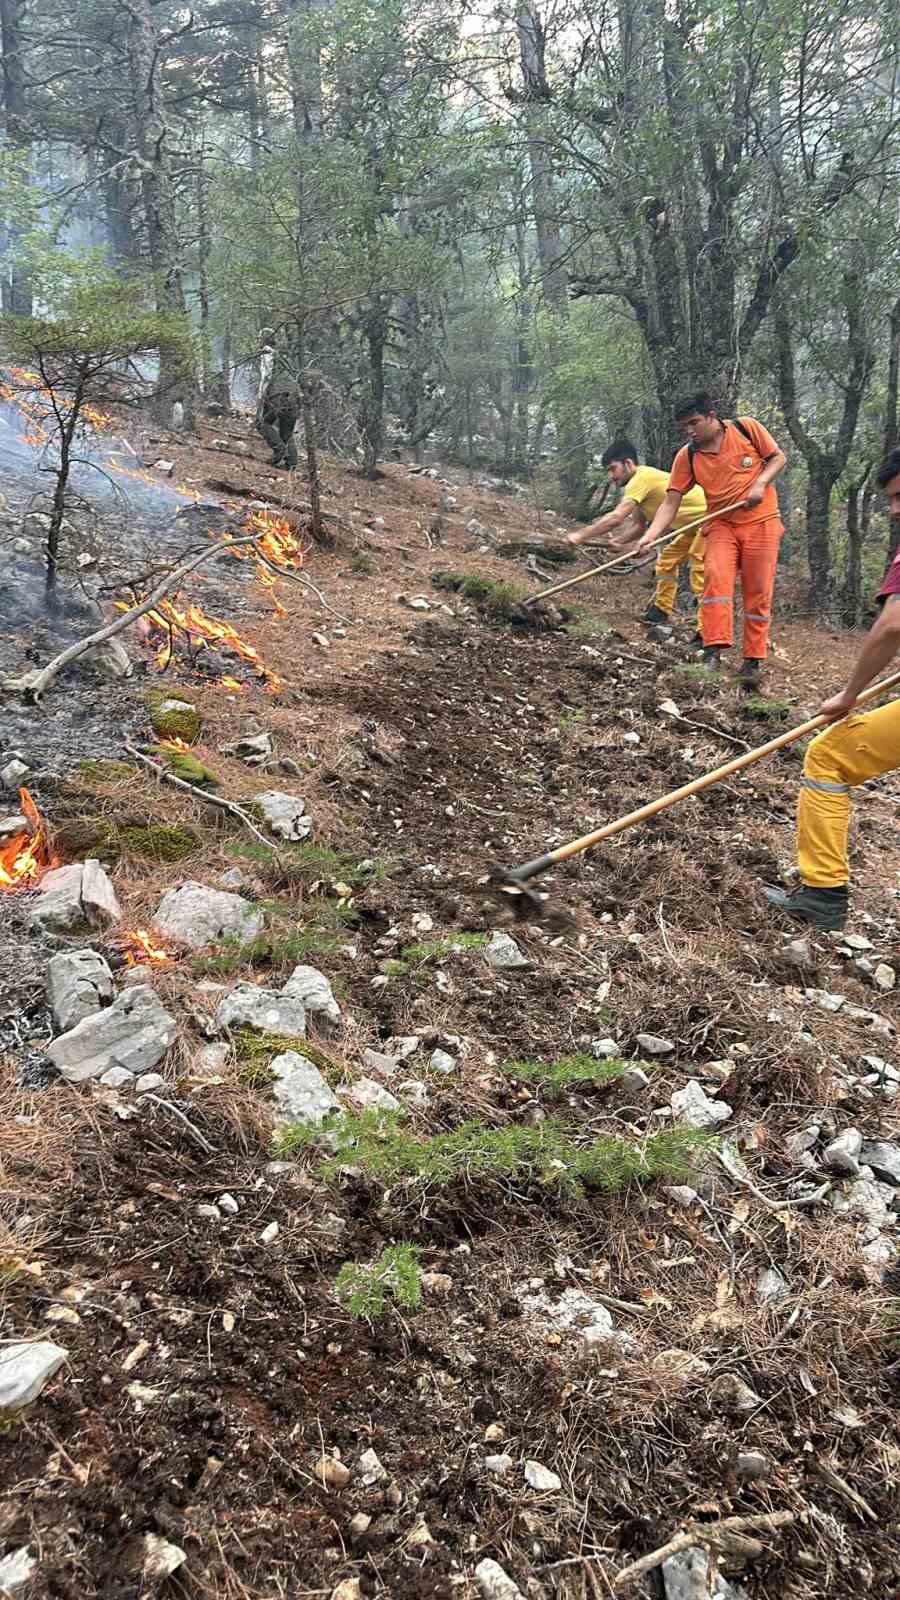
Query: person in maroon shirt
(857, 748)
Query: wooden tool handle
(576, 846)
(666, 538)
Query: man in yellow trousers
(643, 489)
(857, 748)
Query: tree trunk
(303, 20)
(892, 413)
(151, 138)
(16, 288)
(571, 446)
(372, 418)
(203, 251)
(818, 537)
(851, 594)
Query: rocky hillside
(356, 1241)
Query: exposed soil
(435, 745)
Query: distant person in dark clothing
(277, 410)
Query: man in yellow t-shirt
(643, 491)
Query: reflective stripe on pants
(749, 551)
(846, 754)
(690, 547)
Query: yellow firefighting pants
(860, 747)
(684, 547)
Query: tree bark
(151, 140)
(571, 445)
(851, 594)
(372, 418)
(892, 413)
(16, 288)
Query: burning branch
(34, 685)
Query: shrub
(363, 1288)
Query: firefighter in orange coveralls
(857, 748)
(733, 462)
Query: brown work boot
(750, 675)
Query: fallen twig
(845, 1490)
(719, 1537)
(194, 1132)
(230, 806)
(35, 684)
(305, 583)
(719, 733)
(738, 1176)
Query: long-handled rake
(529, 905)
(557, 588)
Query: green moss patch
(763, 710)
(187, 767)
(102, 771)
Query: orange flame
(26, 856)
(143, 949)
(198, 626)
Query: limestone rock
(371, 1469)
(867, 1199)
(24, 1370)
(504, 954)
(884, 977)
(800, 954)
(198, 916)
(382, 1066)
(117, 1078)
(440, 1061)
(76, 896)
(734, 1394)
(884, 1159)
(541, 1479)
(604, 1049)
(842, 1154)
(634, 1081)
(134, 1032)
(161, 1559)
(752, 1465)
(368, 1095)
(311, 988)
(693, 1106)
(285, 814)
(249, 1006)
(16, 1569)
(79, 982)
(770, 1287)
(300, 1091)
(499, 1465)
(495, 1584)
(652, 1045)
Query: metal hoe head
(522, 903)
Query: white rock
(24, 1369)
(654, 1046)
(403, 1045)
(504, 954)
(117, 1077)
(149, 1082)
(269, 1234)
(285, 814)
(383, 1066)
(212, 1057)
(75, 896)
(161, 1559)
(800, 1142)
(691, 1575)
(415, 1094)
(631, 738)
(134, 1032)
(370, 1469)
(248, 1006)
(228, 1204)
(604, 1049)
(634, 1081)
(680, 1364)
(824, 1000)
(682, 1194)
(842, 1154)
(312, 989)
(331, 1473)
(867, 1199)
(442, 1062)
(347, 1589)
(669, 708)
(800, 954)
(495, 1584)
(422, 923)
(693, 1106)
(752, 1465)
(879, 1254)
(370, 1096)
(321, 640)
(210, 1213)
(541, 1479)
(198, 916)
(856, 941)
(884, 976)
(301, 1093)
(499, 1465)
(79, 983)
(16, 1569)
(770, 1287)
(884, 1159)
(13, 773)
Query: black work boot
(696, 642)
(712, 655)
(751, 672)
(823, 908)
(655, 614)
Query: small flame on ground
(143, 949)
(26, 855)
(232, 685)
